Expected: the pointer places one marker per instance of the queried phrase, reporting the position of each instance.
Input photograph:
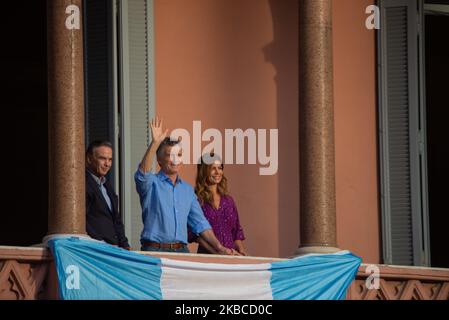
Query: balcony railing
(28, 273)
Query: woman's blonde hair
(202, 175)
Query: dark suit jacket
(101, 223)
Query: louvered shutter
(137, 101)
(98, 70)
(401, 183)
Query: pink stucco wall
(233, 64)
(355, 130)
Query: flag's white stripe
(172, 263)
(193, 280)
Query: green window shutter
(401, 168)
(136, 24)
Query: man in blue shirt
(169, 204)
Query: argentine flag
(88, 269)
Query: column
(316, 128)
(66, 118)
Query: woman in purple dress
(218, 206)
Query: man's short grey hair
(166, 142)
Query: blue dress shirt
(168, 208)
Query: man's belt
(173, 245)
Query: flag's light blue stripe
(314, 277)
(106, 272)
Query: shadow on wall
(283, 54)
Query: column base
(62, 235)
(315, 249)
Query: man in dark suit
(103, 219)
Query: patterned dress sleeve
(237, 231)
